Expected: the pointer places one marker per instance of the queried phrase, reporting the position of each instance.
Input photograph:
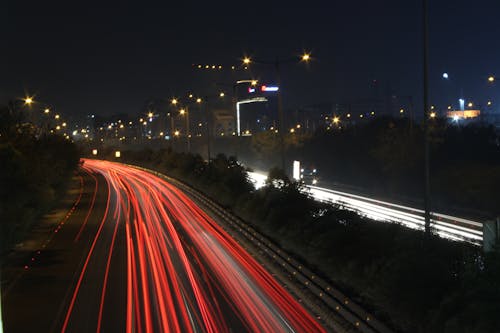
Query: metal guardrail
(337, 303)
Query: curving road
(158, 263)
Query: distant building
(223, 122)
(465, 114)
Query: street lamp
(277, 63)
(491, 79)
(28, 100)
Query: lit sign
(296, 170)
(266, 88)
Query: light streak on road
(183, 272)
(446, 226)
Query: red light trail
(182, 272)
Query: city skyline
(87, 66)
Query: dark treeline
(34, 171)
(416, 284)
(384, 158)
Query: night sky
(110, 57)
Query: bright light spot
(118, 154)
(445, 76)
(94, 152)
(28, 100)
(174, 101)
(182, 111)
(150, 115)
(266, 88)
(455, 118)
(46, 110)
(433, 114)
(221, 94)
(306, 57)
(247, 60)
(336, 120)
(254, 82)
(292, 130)
(470, 104)
(198, 100)
(298, 126)
(489, 103)
(56, 116)
(491, 79)
(64, 124)
(177, 133)
(401, 111)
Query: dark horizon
(107, 59)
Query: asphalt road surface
(135, 254)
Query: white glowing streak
(451, 227)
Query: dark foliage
(34, 170)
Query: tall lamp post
(277, 63)
(427, 198)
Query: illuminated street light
(445, 76)
(150, 115)
(47, 110)
(64, 124)
(433, 114)
(254, 82)
(182, 112)
(118, 154)
(94, 152)
(198, 100)
(292, 130)
(247, 60)
(28, 100)
(177, 133)
(401, 111)
(56, 116)
(306, 57)
(174, 101)
(489, 103)
(336, 120)
(491, 79)
(449, 107)
(221, 94)
(470, 105)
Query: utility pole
(280, 115)
(427, 198)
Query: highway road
(447, 226)
(141, 256)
